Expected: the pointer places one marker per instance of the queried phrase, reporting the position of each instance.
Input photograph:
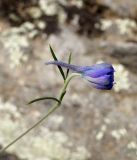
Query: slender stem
(28, 130)
(67, 82)
(57, 104)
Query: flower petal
(103, 82)
(99, 70)
(102, 87)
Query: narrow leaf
(44, 98)
(55, 58)
(62, 96)
(69, 61)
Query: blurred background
(91, 124)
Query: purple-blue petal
(103, 82)
(99, 70)
(102, 87)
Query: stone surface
(122, 8)
(91, 124)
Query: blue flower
(101, 76)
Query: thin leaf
(44, 98)
(69, 61)
(62, 96)
(55, 58)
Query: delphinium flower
(101, 76)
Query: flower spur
(101, 76)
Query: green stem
(66, 84)
(57, 104)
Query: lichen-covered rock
(49, 7)
(46, 144)
(124, 82)
(55, 13)
(90, 124)
(123, 8)
(16, 46)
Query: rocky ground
(91, 124)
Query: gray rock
(124, 8)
